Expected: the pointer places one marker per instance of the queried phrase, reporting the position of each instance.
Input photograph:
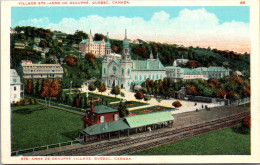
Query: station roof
(106, 127)
(147, 119)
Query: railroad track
(123, 146)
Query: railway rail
(130, 145)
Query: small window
(116, 117)
(14, 80)
(102, 119)
(15, 96)
(14, 88)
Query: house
(37, 48)
(54, 57)
(100, 114)
(19, 44)
(214, 72)
(16, 87)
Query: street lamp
(70, 86)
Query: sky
(222, 27)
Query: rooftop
(192, 71)
(147, 119)
(106, 127)
(148, 65)
(103, 109)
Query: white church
(125, 72)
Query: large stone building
(38, 71)
(91, 46)
(126, 72)
(214, 72)
(178, 73)
(16, 87)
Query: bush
(177, 104)
(122, 94)
(247, 121)
(147, 98)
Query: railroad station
(103, 129)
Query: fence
(28, 150)
(215, 100)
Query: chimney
(92, 107)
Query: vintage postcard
(131, 81)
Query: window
(153, 77)
(136, 77)
(105, 70)
(102, 119)
(14, 88)
(14, 80)
(150, 76)
(116, 116)
(114, 68)
(141, 77)
(15, 96)
(93, 117)
(129, 71)
(145, 77)
(123, 71)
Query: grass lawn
(106, 98)
(36, 125)
(130, 104)
(228, 141)
(150, 109)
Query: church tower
(126, 65)
(126, 52)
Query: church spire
(125, 34)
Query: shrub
(247, 121)
(177, 104)
(122, 94)
(147, 98)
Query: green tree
(123, 111)
(115, 90)
(92, 87)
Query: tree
(99, 37)
(90, 57)
(102, 88)
(192, 90)
(123, 111)
(92, 87)
(193, 63)
(115, 90)
(29, 87)
(221, 93)
(71, 60)
(139, 95)
(51, 89)
(97, 83)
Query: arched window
(145, 77)
(129, 71)
(153, 77)
(141, 77)
(136, 77)
(157, 76)
(150, 76)
(114, 68)
(105, 70)
(123, 71)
